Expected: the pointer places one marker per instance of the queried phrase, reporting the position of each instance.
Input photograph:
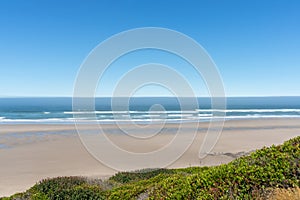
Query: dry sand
(30, 153)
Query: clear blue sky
(255, 44)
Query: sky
(255, 44)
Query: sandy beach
(30, 153)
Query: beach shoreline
(31, 152)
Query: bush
(244, 178)
(63, 188)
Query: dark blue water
(59, 110)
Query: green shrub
(276, 166)
(62, 188)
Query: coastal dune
(31, 152)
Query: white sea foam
(180, 115)
(249, 110)
(35, 120)
(161, 116)
(205, 115)
(131, 112)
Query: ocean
(59, 110)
